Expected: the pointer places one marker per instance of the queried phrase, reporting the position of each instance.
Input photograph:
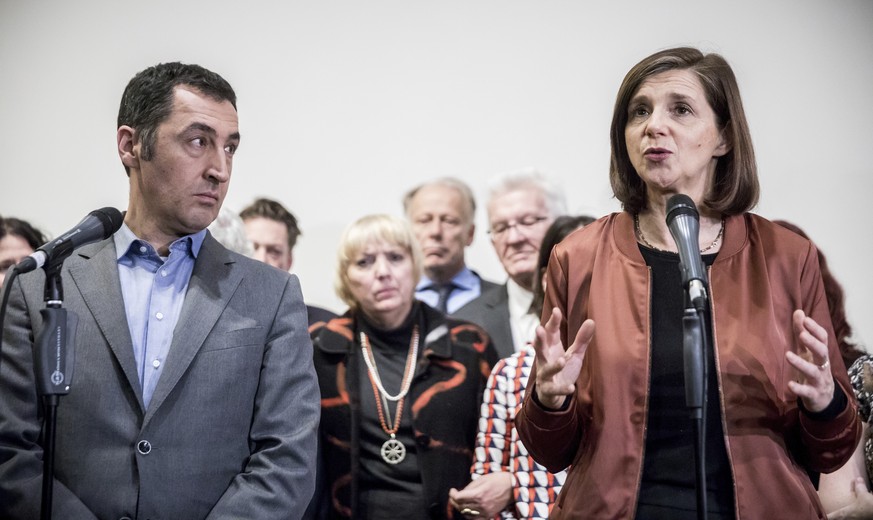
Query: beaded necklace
(393, 451)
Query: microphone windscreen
(680, 204)
(111, 219)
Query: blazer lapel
(499, 296)
(95, 275)
(212, 284)
(498, 317)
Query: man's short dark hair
(148, 98)
(270, 209)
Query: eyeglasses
(523, 225)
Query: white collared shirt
(523, 323)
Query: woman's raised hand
(557, 368)
(816, 387)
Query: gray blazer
(491, 312)
(231, 428)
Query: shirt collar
(519, 298)
(124, 238)
(465, 279)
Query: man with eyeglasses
(521, 207)
(441, 212)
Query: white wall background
(344, 105)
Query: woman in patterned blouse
(506, 480)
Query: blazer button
(144, 447)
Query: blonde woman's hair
(367, 230)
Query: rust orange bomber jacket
(761, 275)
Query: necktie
(443, 290)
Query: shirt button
(143, 249)
(159, 315)
(164, 273)
(156, 363)
(144, 447)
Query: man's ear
(128, 150)
(470, 235)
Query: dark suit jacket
(491, 312)
(231, 427)
(318, 315)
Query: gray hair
(556, 203)
(449, 182)
(230, 232)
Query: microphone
(97, 225)
(683, 221)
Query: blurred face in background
(443, 227)
(518, 219)
(13, 249)
(269, 239)
(381, 280)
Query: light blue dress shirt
(154, 290)
(468, 287)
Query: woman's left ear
(724, 144)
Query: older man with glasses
(521, 205)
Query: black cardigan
(446, 393)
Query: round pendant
(393, 451)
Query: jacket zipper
(636, 496)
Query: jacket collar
(735, 235)
(338, 335)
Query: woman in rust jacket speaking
(608, 397)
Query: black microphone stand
(694, 334)
(53, 368)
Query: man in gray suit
(521, 206)
(194, 394)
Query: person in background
(506, 480)
(273, 231)
(230, 232)
(845, 494)
(400, 383)
(18, 239)
(521, 206)
(194, 393)
(608, 393)
(442, 214)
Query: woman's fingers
(583, 337)
(816, 387)
(812, 336)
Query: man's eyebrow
(203, 127)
